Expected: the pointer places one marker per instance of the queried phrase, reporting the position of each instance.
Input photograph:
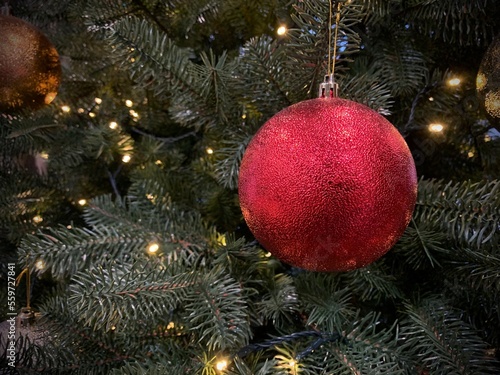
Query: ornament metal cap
(329, 88)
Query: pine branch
(66, 251)
(373, 282)
(280, 302)
(461, 22)
(124, 298)
(217, 313)
(442, 342)
(468, 212)
(327, 303)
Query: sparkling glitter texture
(30, 70)
(488, 79)
(327, 185)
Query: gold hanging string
(330, 36)
(329, 87)
(337, 21)
(28, 285)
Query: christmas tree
(119, 205)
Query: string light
(133, 113)
(431, 98)
(221, 365)
(40, 265)
(126, 158)
(37, 219)
(91, 114)
(454, 81)
(98, 100)
(44, 155)
(209, 151)
(65, 108)
(113, 125)
(129, 103)
(82, 202)
(470, 154)
(436, 128)
(80, 110)
(281, 30)
(153, 248)
(171, 325)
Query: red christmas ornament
(327, 185)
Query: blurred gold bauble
(30, 70)
(488, 79)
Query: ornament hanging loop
(5, 10)
(329, 88)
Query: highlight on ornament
(30, 69)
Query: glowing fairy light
(281, 30)
(454, 81)
(221, 365)
(153, 248)
(65, 108)
(113, 125)
(436, 128)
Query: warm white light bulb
(210, 151)
(436, 128)
(65, 108)
(37, 219)
(221, 365)
(113, 125)
(98, 100)
(281, 30)
(126, 158)
(82, 202)
(40, 265)
(129, 103)
(454, 81)
(153, 248)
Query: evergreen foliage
(181, 88)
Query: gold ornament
(30, 70)
(488, 79)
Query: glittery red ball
(327, 184)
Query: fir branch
(66, 251)
(327, 303)
(229, 159)
(435, 333)
(280, 302)
(217, 312)
(467, 211)
(373, 282)
(120, 298)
